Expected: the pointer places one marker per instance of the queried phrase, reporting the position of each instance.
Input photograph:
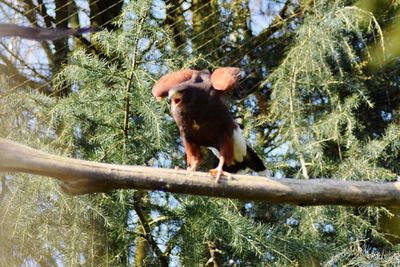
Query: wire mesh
(41, 70)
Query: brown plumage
(225, 79)
(170, 80)
(202, 114)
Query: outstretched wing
(222, 79)
(225, 79)
(169, 80)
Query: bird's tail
(251, 160)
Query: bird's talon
(213, 172)
(191, 169)
(218, 173)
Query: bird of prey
(200, 108)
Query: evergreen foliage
(326, 107)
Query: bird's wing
(225, 79)
(222, 79)
(170, 80)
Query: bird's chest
(202, 132)
(200, 128)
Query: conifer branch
(132, 74)
(80, 177)
(293, 125)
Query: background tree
(318, 99)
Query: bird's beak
(175, 96)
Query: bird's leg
(193, 155)
(193, 166)
(217, 172)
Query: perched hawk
(200, 108)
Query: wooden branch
(41, 34)
(80, 177)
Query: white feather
(239, 145)
(214, 151)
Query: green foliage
(318, 91)
(108, 92)
(219, 221)
(323, 111)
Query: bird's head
(186, 86)
(182, 95)
(175, 95)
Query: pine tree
(325, 106)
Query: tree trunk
(103, 13)
(175, 21)
(61, 45)
(141, 245)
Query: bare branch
(22, 61)
(49, 20)
(214, 255)
(40, 34)
(80, 177)
(18, 78)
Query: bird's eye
(177, 100)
